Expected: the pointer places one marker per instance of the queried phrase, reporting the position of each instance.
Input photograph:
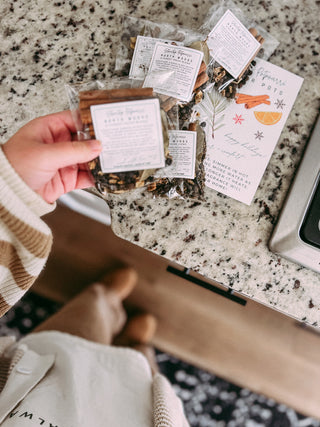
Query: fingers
(61, 120)
(48, 129)
(63, 154)
(85, 180)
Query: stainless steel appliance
(297, 233)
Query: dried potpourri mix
(149, 32)
(185, 187)
(85, 97)
(223, 18)
(224, 82)
(138, 39)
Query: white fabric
(89, 385)
(28, 371)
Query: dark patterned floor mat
(209, 401)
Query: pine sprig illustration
(212, 106)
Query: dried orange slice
(268, 117)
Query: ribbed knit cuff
(29, 197)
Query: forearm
(25, 240)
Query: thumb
(69, 153)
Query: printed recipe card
(131, 135)
(173, 70)
(242, 134)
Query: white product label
(142, 55)
(231, 44)
(182, 148)
(177, 67)
(131, 135)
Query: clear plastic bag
(85, 95)
(226, 83)
(137, 43)
(132, 28)
(179, 187)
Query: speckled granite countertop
(47, 44)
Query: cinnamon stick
(97, 97)
(86, 117)
(86, 103)
(201, 79)
(253, 31)
(168, 104)
(192, 127)
(127, 93)
(202, 68)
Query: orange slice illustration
(267, 117)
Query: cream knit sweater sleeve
(167, 407)
(25, 240)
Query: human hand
(45, 156)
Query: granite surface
(47, 44)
